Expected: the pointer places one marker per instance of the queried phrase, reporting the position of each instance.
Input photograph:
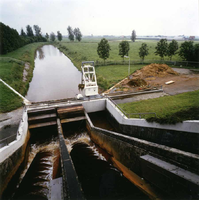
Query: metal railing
(129, 114)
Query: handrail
(128, 114)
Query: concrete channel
(161, 160)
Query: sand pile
(137, 82)
(154, 70)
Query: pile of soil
(154, 70)
(137, 82)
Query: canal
(55, 77)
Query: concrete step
(43, 124)
(42, 118)
(56, 189)
(70, 111)
(170, 178)
(73, 119)
(41, 111)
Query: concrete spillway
(159, 154)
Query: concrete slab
(56, 192)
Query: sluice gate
(159, 167)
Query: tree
(162, 48)
(52, 37)
(144, 51)
(10, 39)
(133, 36)
(78, 34)
(188, 51)
(23, 33)
(59, 35)
(103, 49)
(124, 49)
(29, 31)
(37, 30)
(70, 33)
(47, 36)
(172, 48)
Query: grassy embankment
(108, 75)
(11, 71)
(169, 109)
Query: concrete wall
(94, 105)
(186, 126)
(128, 151)
(183, 136)
(13, 154)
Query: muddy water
(98, 177)
(54, 76)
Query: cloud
(101, 17)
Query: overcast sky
(104, 17)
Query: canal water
(54, 76)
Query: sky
(104, 17)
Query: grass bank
(169, 109)
(11, 71)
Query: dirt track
(155, 76)
(185, 82)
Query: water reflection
(54, 77)
(41, 54)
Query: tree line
(72, 35)
(188, 51)
(11, 40)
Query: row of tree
(187, 51)
(52, 36)
(29, 36)
(11, 40)
(72, 35)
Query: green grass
(109, 75)
(11, 71)
(87, 50)
(169, 109)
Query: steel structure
(89, 78)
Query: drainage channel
(63, 163)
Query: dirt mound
(157, 70)
(137, 82)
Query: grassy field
(82, 51)
(169, 109)
(11, 71)
(107, 76)
(12, 65)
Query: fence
(140, 62)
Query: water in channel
(54, 76)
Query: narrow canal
(55, 77)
